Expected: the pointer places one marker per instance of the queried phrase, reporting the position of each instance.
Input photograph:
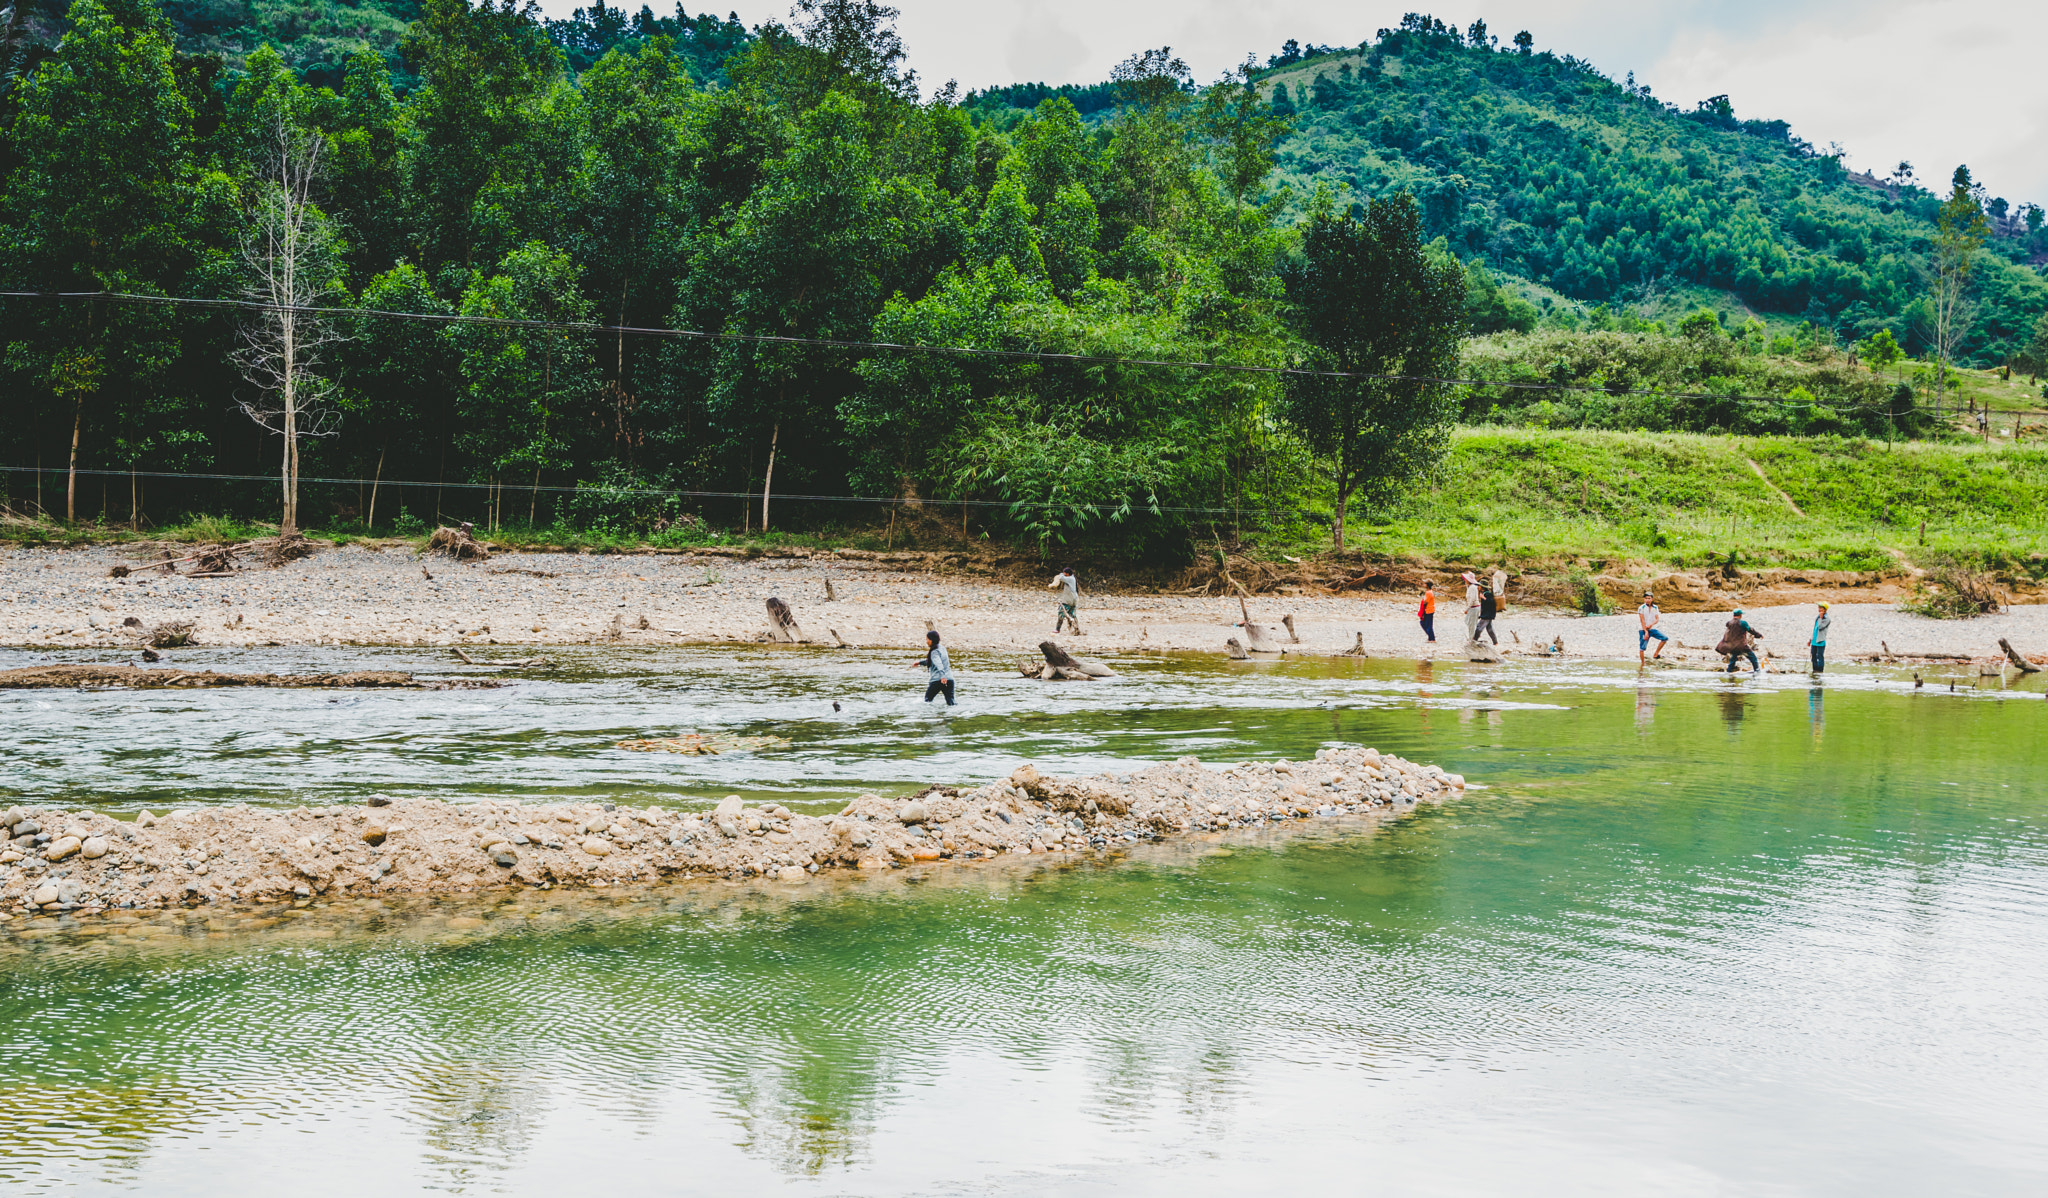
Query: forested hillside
(517, 181)
(1602, 193)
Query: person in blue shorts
(1647, 615)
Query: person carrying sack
(1740, 641)
(1069, 599)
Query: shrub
(1957, 593)
(1586, 593)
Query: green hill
(1593, 192)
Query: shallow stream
(1697, 936)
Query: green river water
(1694, 936)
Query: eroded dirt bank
(83, 861)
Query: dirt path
(366, 596)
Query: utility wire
(1012, 355)
(520, 489)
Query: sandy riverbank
(52, 598)
(82, 860)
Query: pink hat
(1468, 577)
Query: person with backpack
(1818, 642)
(1427, 611)
(1739, 640)
(939, 669)
(1489, 607)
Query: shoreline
(59, 600)
(85, 863)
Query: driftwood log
(1292, 637)
(1257, 640)
(2013, 655)
(782, 622)
(458, 543)
(1357, 648)
(66, 676)
(1235, 650)
(1061, 664)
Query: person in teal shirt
(1818, 642)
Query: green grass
(1545, 500)
(1689, 500)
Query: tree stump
(2019, 663)
(782, 622)
(1292, 638)
(1357, 648)
(1235, 650)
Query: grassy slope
(1684, 500)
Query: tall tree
(1960, 230)
(293, 261)
(100, 201)
(520, 382)
(1370, 299)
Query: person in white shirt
(1647, 615)
(1471, 605)
(1069, 600)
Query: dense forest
(514, 178)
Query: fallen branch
(66, 676)
(2013, 655)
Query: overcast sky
(1933, 82)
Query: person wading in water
(1818, 642)
(939, 667)
(1740, 641)
(1489, 607)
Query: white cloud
(1937, 82)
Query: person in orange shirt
(1427, 612)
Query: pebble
(597, 846)
(374, 834)
(912, 813)
(94, 847)
(61, 848)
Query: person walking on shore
(1647, 615)
(1069, 599)
(1489, 607)
(1818, 642)
(1471, 606)
(1740, 641)
(939, 669)
(1427, 611)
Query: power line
(518, 488)
(450, 318)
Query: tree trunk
(370, 525)
(134, 505)
(71, 478)
(533, 505)
(768, 480)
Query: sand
(364, 595)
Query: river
(1694, 936)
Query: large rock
(62, 847)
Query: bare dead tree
(289, 252)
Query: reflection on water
(1683, 942)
